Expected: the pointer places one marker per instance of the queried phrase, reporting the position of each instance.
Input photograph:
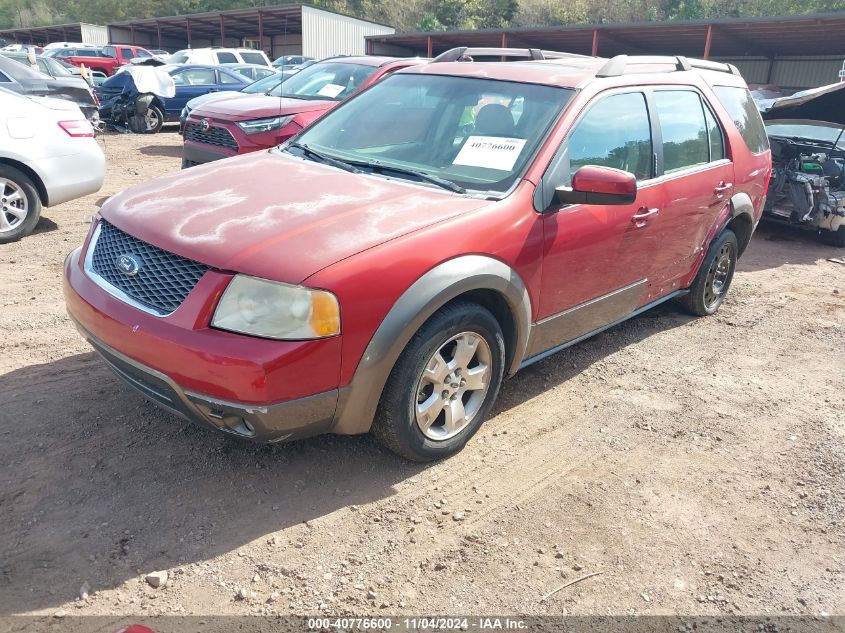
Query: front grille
(217, 136)
(152, 277)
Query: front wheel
(20, 205)
(711, 284)
(443, 384)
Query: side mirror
(599, 185)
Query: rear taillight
(77, 127)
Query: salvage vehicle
(227, 127)
(48, 155)
(458, 221)
(190, 81)
(24, 80)
(808, 156)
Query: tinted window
(685, 140)
(742, 109)
(254, 58)
(714, 134)
(226, 58)
(4, 78)
(118, 80)
(87, 52)
(108, 51)
(195, 77)
(616, 133)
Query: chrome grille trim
(160, 306)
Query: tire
(149, 124)
(415, 380)
(20, 205)
(833, 238)
(711, 284)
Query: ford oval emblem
(205, 125)
(129, 265)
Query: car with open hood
(807, 188)
(228, 127)
(388, 266)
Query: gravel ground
(696, 466)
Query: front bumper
(274, 423)
(255, 388)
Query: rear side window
(4, 79)
(228, 79)
(254, 58)
(108, 51)
(127, 53)
(740, 106)
(226, 58)
(685, 140)
(615, 132)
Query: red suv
(227, 127)
(387, 267)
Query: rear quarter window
(254, 58)
(745, 115)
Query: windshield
(827, 133)
(329, 81)
(478, 134)
(263, 85)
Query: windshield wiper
(435, 180)
(328, 160)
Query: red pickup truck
(109, 58)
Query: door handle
(721, 188)
(643, 215)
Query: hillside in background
(422, 15)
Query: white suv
(216, 56)
(48, 155)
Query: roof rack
(617, 65)
(461, 53)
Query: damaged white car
(808, 160)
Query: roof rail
(619, 64)
(461, 53)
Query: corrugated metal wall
(94, 34)
(790, 73)
(325, 34)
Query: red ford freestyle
(387, 267)
(227, 127)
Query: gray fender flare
(741, 205)
(441, 284)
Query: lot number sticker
(492, 152)
(330, 90)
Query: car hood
(276, 216)
(820, 104)
(258, 106)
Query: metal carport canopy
(818, 34)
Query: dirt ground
(697, 466)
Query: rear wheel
(20, 205)
(708, 290)
(443, 384)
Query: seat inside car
(494, 119)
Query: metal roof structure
(770, 37)
(73, 32)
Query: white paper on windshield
(491, 152)
(330, 90)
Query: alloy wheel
(453, 386)
(14, 206)
(718, 276)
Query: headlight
(255, 126)
(271, 309)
